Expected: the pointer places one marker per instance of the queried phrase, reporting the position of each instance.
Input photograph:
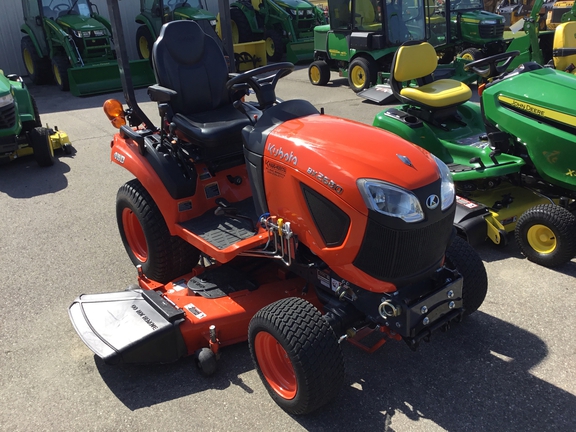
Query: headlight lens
(489, 22)
(99, 32)
(390, 200)
(447, 191)
(6, 100)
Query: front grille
(390, 254)
(8, 116)
(490, 31)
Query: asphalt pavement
(510, 367)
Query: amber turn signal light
(115, 112)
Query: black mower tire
(146, 237)
(296, 355)
(40, 141)
(274, 46)
(471, 54)
(38, 68)
(60, 66)
(362, 74)
(319, 73)
(144, 42)
(546, 235)
(29, 125)
(462, 257)
(243, 30)
(206, 361)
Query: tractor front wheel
(362, 74)
(546, 235)
(60, 66)
(296, 354)
(40, 142)
(146, 237)
(319, 73)
(241, 31)
(38, 68)
(144, 42)
(462, 257)
(274, 45)
(471, 54)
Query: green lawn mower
(21, 131)
(512, 157)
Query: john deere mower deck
(260, 221)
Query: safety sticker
(195, 311)
(211, 190)
(179, 285)
(335, 284)
(323, 278)
(184, 206)
(464, 202)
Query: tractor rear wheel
(296, 354)
(471, 54)
(40, 142)
(462, 257)
(319, 73)
(38, 68)
(144, 42)
(241, 31)
(60, 66)
(546, 235)
(362, 74)
(148, 242)
(274, 45)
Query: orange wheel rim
(134, 235)
(275, 365)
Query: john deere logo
(432, 202)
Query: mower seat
(564, 47)
(365, 14)
(190, 63)
(397, 30)
(436, 99)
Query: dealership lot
(510, 367)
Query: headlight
(81, 34)
(6, 100)
(390, 200)
(99, 33)
(489, 22)
(212, 22)
(447, 188)
(301, 12)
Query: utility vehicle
(271, 222)
(511, 158)
(21, 131)
(70, 42)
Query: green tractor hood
(81, 23)
(477, 26)
(295, 4)
(195, 14)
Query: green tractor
(155, 13)
(363, 36)
(287, 26)
(473, 32)
(21, 131)
(512, 158)
(70, 42)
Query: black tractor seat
(191, 73)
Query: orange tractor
(271, 222)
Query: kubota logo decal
(283, 156)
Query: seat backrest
(365, 9)
(188, 61)
(414, 61)
(565, 37)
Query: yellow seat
(365, 13)
(417, 61)
(564, 48)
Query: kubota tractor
(275, 223)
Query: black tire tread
(278, 45)
(168, 256)
(40, 142)
(312, 347)
(41, 64)
(462, 256)
(370, 70)
(63, 65)
(242, 24)
(561, 221)
(324, 72)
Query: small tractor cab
(155, 13)
(70, 41)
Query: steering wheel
(491, 62)
(263, 87)
(61, 7)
